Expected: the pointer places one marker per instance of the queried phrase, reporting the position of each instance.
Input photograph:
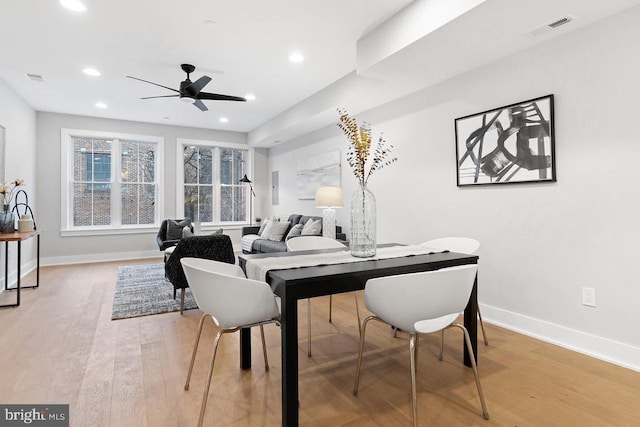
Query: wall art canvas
(510, 144)
(318, 171)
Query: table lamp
(329, 198)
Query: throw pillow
(312, 228)
(174, 228)
(267, 230)
(263, 225)
(295, 231)
(277, 231)
(186, 232)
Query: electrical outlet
(589, 297)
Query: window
(111, 181)
(210, 186)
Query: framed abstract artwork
(322, 170)
(510, 144)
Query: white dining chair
(305, 243)
(463, 245)
(232, 301)
(420, 303)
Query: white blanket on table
(257, 268)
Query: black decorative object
(510, 144)
(27, 212)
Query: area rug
(142, 290)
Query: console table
(19, 238)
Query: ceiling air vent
(560, 22)
(35, 77)
(552, 26)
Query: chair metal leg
(413, 354)
(441, 352)
(182, 300)
(330, 306)
(485, 414)
(264, 349)
(208, 384)
(364, 330)
(484, 335)
(195, 350)
(309, 327)
(355, 295)
(417, 349)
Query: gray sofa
(258, 245)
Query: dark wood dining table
(293, 284)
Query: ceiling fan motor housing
(186, 90)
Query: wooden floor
(61, 346)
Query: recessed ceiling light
(91, 72)
(223, 120)
(250, 97)
(296, 57)
(210, 23)
(74, 5)
(101, 105)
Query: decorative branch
(359, 149)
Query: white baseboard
(119, 256)
(601, 348)
(25, 269)
(83, 259)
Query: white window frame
(66, 183)
(183, 143)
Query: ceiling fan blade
(163, 96)
(200, 105)
(147, 81)
(195, 87)
(219, 97)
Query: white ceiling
(247, 49)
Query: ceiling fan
(192, 91)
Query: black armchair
(170, 237)
(214, 247)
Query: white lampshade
(329, 197)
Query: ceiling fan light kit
(191, 92)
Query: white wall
(541, 243)
(57, 249)
(19, 120)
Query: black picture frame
(507, 145)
